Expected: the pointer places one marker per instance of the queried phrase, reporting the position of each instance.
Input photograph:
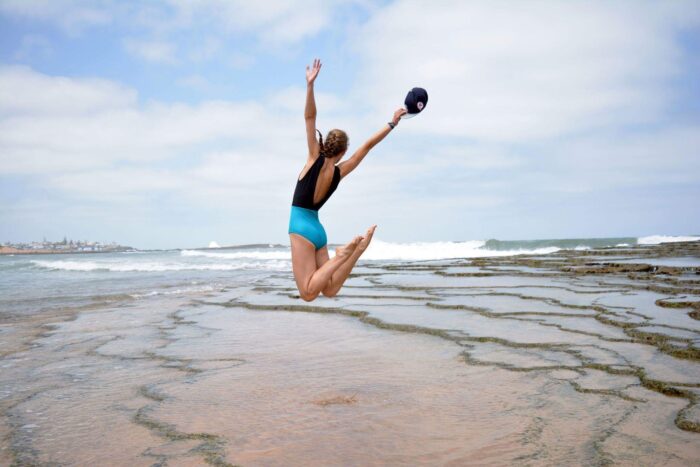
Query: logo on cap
(419, 105)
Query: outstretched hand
(312, 73)
(397, 115)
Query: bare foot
(364, 243)
(346, 250)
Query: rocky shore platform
(579, 357)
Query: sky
(171, 124)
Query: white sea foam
(279, 259)
(656, 239)
(380, 250)
(276, 265)
(253, 254)
(185, 290)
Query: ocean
(568, 351)
(31, 282)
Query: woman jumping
(314, 272)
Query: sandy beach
(572, 358)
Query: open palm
(312, 73)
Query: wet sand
(578, 357)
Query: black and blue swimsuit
(304, 217)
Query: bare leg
(341, 274)
(311, 280)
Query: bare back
(316, 184)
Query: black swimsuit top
(304, 192)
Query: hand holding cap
(415, 102)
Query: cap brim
(408, 115)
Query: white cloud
(529, 104)
(93, 140)
(240, 61)
(58, 123)
(73, 16)
(521, 71)
(33, 45)
(655, 156)
(157, 51)
(274, 22)
(116, 184)
(28, 92)
(205, 50)
(293, 98)
(194, 81)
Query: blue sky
(172, 124)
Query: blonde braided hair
(336, 143)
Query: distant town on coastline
(64, 246)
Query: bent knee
(307, 296)
(328, 292)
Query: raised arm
(310, 109)
(349, 165)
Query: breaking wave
(252, 254)
(380, 250)
(657, 239)
(154, 266)
(278, 257)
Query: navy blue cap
(416, 100)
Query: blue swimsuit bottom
(305, 222)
